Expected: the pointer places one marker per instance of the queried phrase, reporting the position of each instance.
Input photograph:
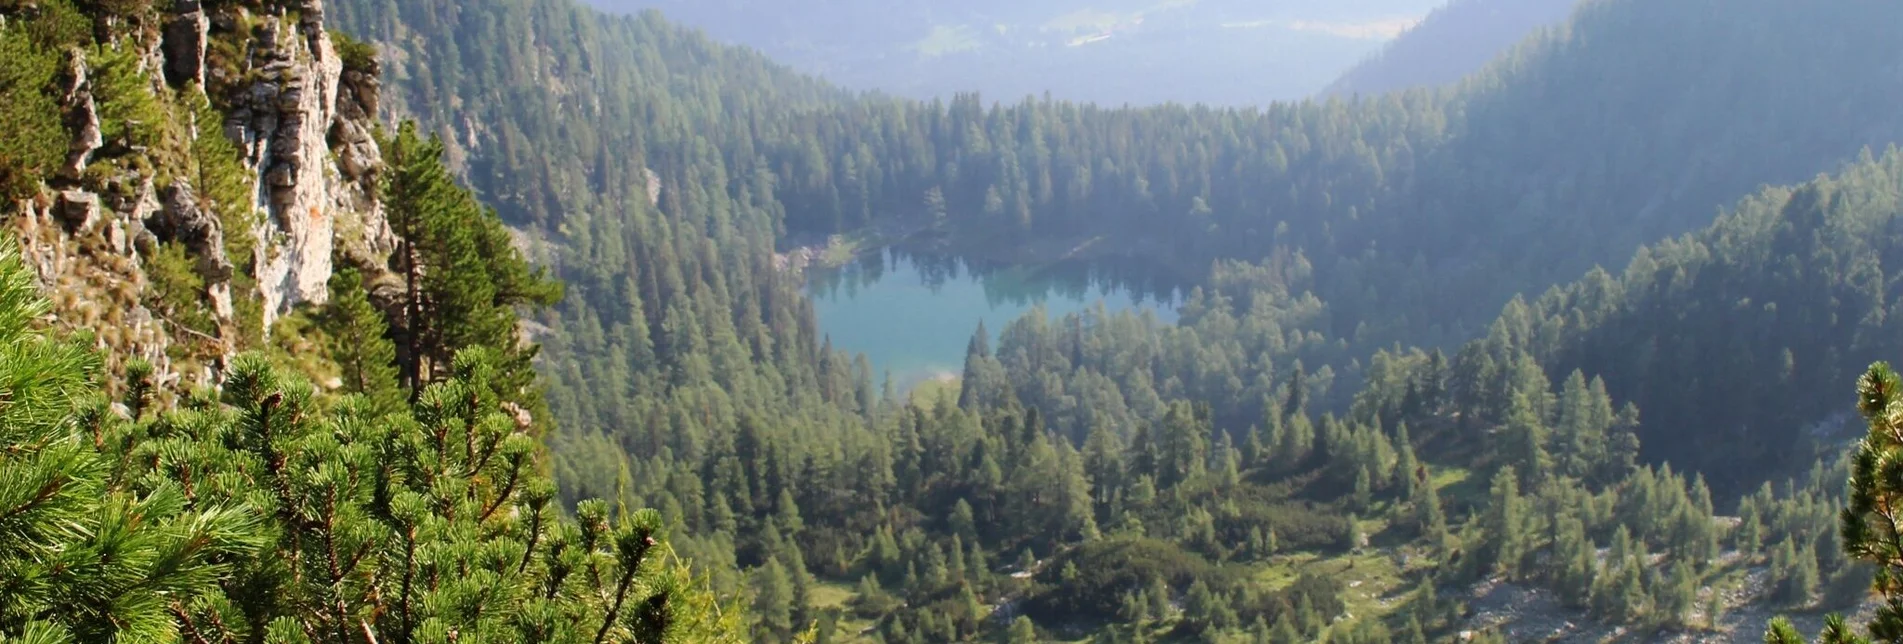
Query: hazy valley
(527, 320)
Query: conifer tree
(1714, 609)
(1285, 633)
(1678, 595)
(1364, 490)
(84, 557)
(1159, 594)
(1750, 532)
(1022, 631)
(1408, 471)
(463, 277)
(359, 343)
(1870, 531)
(1576, 560)
(773, 601)
(1136, 608)
(1525, 446)
(1504, 522)
(257, 514)
(1414, 633)
(1259, 632)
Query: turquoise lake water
(913, 317)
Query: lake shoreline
(921, 237)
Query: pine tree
(961, 522)
(32, 141)
(1577, 562)
(1867, 535)
(1254, 451)
(1801, 584)
(359, 343)
(977, 564)
(1714, 609)
(1135, 609)
(1835, 631)
(463, 278)
(1259, 632)
(1204, 609)
(1526, 443)
(82, 559)
(1429, 518)
(257, 512)
(802, 597)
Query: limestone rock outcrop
(300, 103)
(187, 35)
(82, 117)
(303, 123)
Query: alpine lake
(914, 316)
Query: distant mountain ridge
(1452, 42)
(1144, 52)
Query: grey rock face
(82, 116)
(304, 126)
(186, 34)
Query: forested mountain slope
(260, 379)
(686, 369)
(1097, 475)
(1735, 338)
(1455, 40)
(1411, 217)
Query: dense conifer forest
(1582, 325)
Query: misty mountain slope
(629, 154)
(1226, 52)
(1450, 43)
(1411, 218)
(1741, 339)
(687, 371)
(1636, 121)
(1101, 475)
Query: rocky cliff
(299, 121)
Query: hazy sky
(1107, 51)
